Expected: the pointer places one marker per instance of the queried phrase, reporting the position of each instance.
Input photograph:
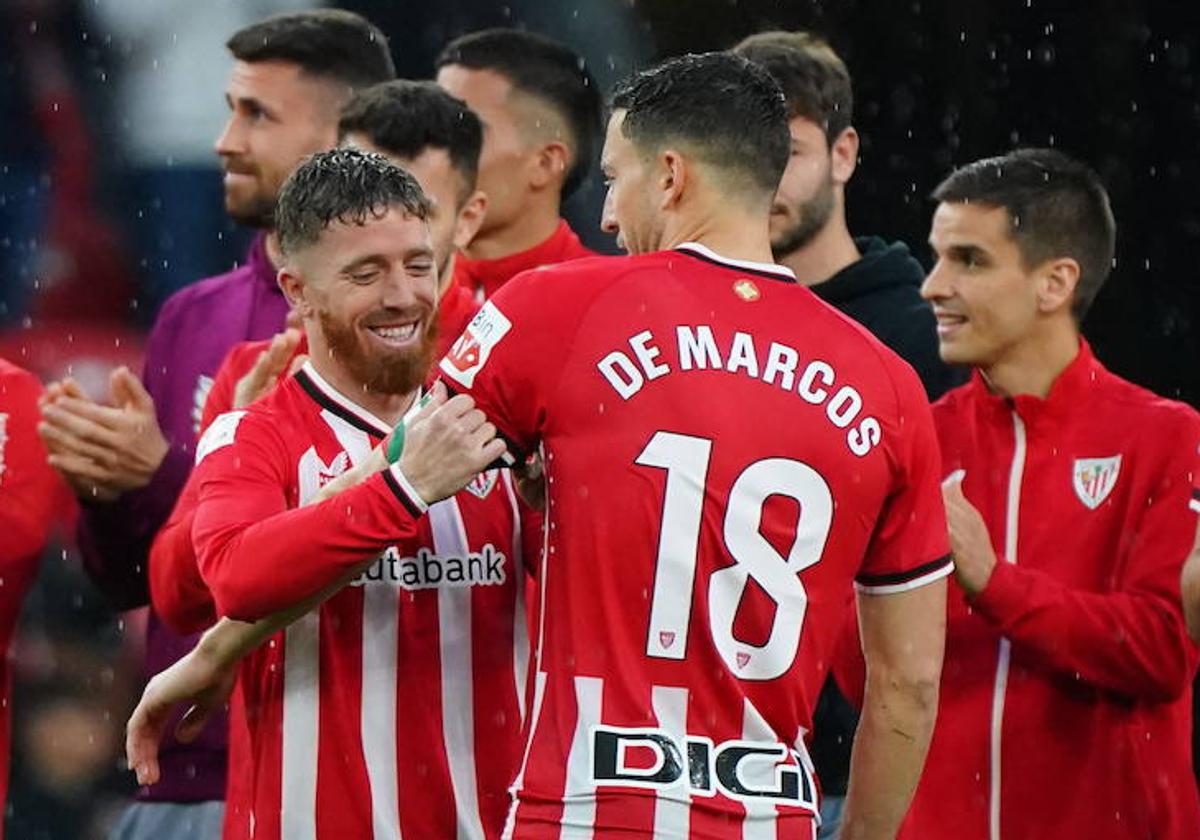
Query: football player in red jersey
(1066, 696)
(432, 623)
(724, 454)
(541, 115)
(434, 136)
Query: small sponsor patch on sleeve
(220, 433)
(470, 353)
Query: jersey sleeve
(910, 546)
(30, 490)
(511, 354)
(259, 556)
(1132, 640)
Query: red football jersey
(724, 454)
(396, 708)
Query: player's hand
(103, 451)
(970, 542)
(270, 365)
(196, 678)
(447, 443)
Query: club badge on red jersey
(469, 354)
(482, 484)
(1094, 479)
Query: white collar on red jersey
(704, 252)
(346, 404)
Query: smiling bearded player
(395, 707)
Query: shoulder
(1141, 408)
(17, 383)
(267, 423)
(200, 298)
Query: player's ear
(672, 177)
(1056, 281)
(550, 165)
(295, 292)
(843, 156)
(470, 218)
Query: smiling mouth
(395, 334)
(948, 321)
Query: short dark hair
(343, 185)
(545, 70)
(813, 77)
(404, 118)
(1057, 207)
(329, 43)
(725, 108)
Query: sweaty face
(441, 184)
(629, 203)
(373, 291)
(502, 161)
(805, 199)
(277, 117)
(984, 298)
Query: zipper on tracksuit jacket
(1011, 519)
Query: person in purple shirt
(128, 461)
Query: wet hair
(545, 70)
(727, 110)
(328, 43)
(344, 186)
(1057, 207)
(813, 77)
(405, 118)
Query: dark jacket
(882, 292)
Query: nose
(399, 291)
(936, 286)
(231, 140)
(608, 218)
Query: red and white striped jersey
(725, 454)
(395, 709)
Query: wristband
(395, 443)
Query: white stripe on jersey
(520, 622)
(380, 652)
(458, 696)
(579, 796)
(671, 814)
(298, 776)
(760, 821)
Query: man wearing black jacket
(872, 281)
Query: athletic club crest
(482, 484)
(1095, 478)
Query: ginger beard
(380, 371)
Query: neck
(729, 231)
(830, 251)
(1032, 366)
(387, 407)
(528, 229)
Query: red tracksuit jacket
(1066, 703)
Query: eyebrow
(963, 252)
(250, 102)
(382, 261)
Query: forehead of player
(386, 240)
(972, 234)
(619, 153)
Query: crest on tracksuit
(1094, 479)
